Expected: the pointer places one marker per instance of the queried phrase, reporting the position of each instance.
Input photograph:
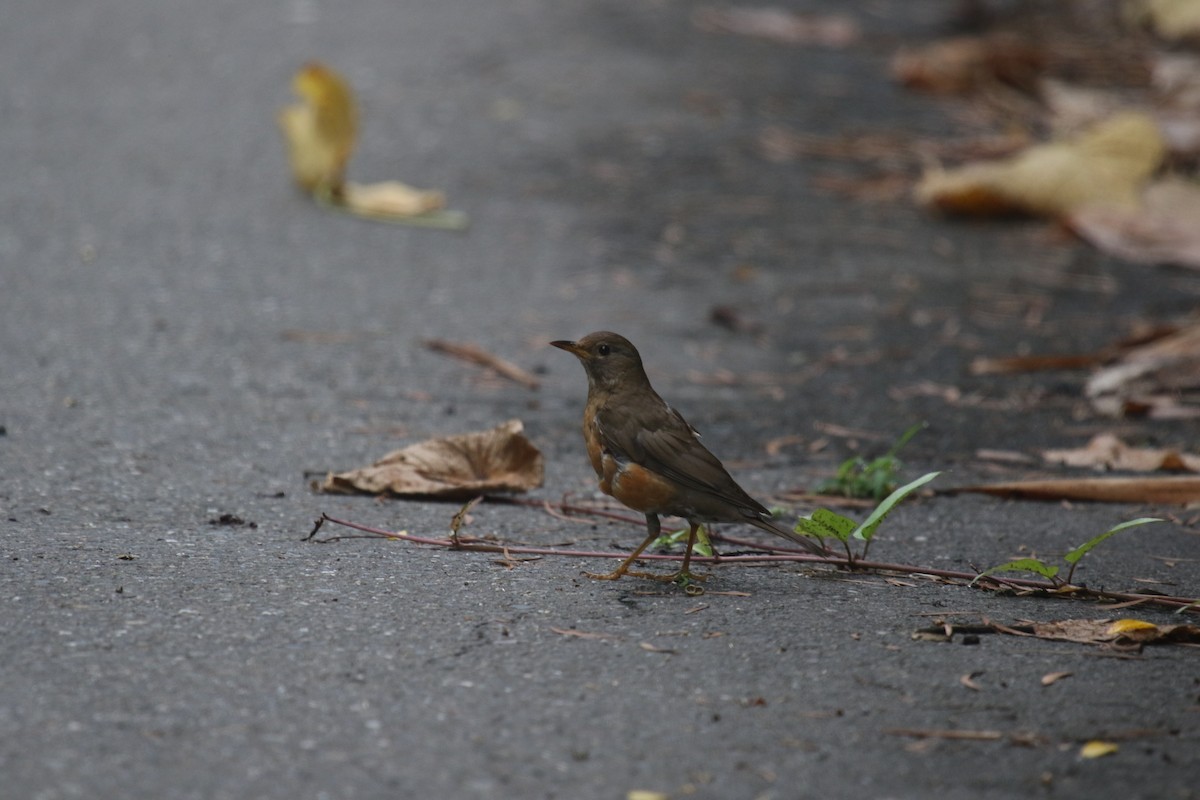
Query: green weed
(857, 477)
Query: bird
(647, 456)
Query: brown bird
(647, 455)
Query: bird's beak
(570, 347)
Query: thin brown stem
(780, 555)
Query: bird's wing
(662, 441)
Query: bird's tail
(808, 543)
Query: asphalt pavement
(187, 342)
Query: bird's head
(609, 359)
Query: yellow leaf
(320, 130)
(645, 794)
(1097, 749)
(1131, 626)
(1170, 19)
(1105, 166)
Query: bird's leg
(654, 528)
(684, 576)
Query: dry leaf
(453, 467)
(1164, 229)
(391, 199)
(1124, 633)
(1173, 20)
(1106, 166)
(645, 794)
(321, 129)
(1102, 490)
(1160, 372)
(779, 25)
(1106, 451)
(1134, 628)
(1097, 749)
(1051, 678)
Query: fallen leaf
(1163, 229)
(1051, 678)
(1103, 490)
(779, 25)
(653, 648)
(1106, 166)
(454, 467)
(1173, 20)
(1156, 376)
(320, 132)
(645, 794)
(391, 199)
(1106, 451)
(1132, 627)
(477, 355)
(1097, 749)
(1123, 633)
(321, 129)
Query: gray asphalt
(185, 337)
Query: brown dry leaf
(454, 467)
(1106, 451)
(1106, 166)
(1121, 633)
(321, 129)
(1101, 490)
(1154, 378)
(1173, 20)
(1164, 229)
(779, 25)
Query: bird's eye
(603, 349)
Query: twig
(782, 555)
(477, 355)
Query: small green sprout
(1039, 567)
(825, 524)
(857, 477)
